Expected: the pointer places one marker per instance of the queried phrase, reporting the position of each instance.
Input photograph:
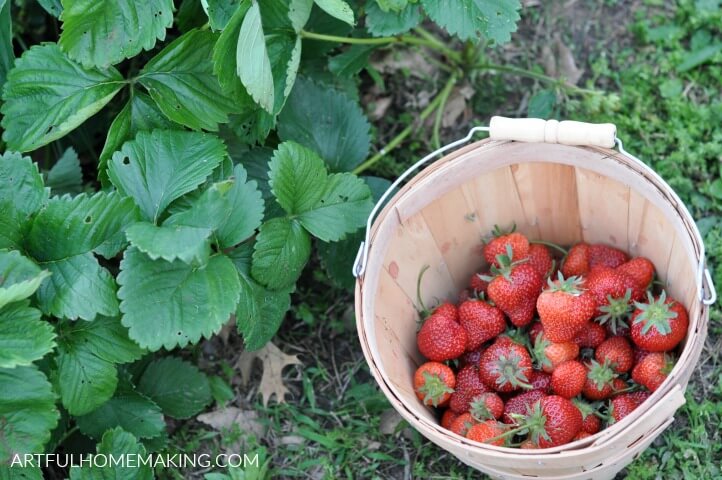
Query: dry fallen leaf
(558, 62)
(456, 105)
(226, 418)
(389, 420)
(273, 360)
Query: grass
(337, 424)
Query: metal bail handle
(542, 131)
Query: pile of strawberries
(536, 356)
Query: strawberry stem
(423, 311)
(556, 247)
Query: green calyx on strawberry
(616, 312)
(538, 352)
(601, 374)
(487, 406)
(655, 314)
(503, 265)
(564, 308)
(506, 366)
(550, 422)
(434, 389)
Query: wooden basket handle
(566, 132)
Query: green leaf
(128, 409)
(27, 411)
(7, 56)
(77, 288)
(260, 311)
(698, 57)
(221, 392)
(343, 208)
(352, 61)
(180, 79)
(70, 226)
(474, 19)
(40, 108)
(190, 15)
(299, 11)
(327, 122)
(281, 251)
(66, 176)
(160, 166)
(541, 104)
(24, 338)
(53, 7)
(232, 209)
(11, 226)
(169, 304)
(19, 277)
(220, 11)
(188, 244)
(101, 33)
(176, 386)
(337, 9)
(87, 356)
(21, 184)
(382, 23)
(253, 63)
(338, 257)
(391, 5)
(224, 58)
(20, 473)
(140, 114)
(297, 177)
(116, 442)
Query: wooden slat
(455, 228)
(410, 249)
(548, 194)
(650, 234)
(603, 209)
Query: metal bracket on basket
(705, 287)
(359, 265)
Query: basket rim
(693, 342)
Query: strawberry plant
(229, 143)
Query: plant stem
(435, 141)
(407, 39)
(409, 129)
(67, 434)
(550, 245)
(537, 76)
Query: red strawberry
(576, 262)
(614, 293)
(619, 386)
(514, 289)
(534, 330)
(639, 354)
(591, 336)
(462, 424)
(653, 370)
(565, 308)
(471, 358)
(518, 243)
(591, 423)
(541, 381)
(640, 269)
(568, 379)
(618, 352)
(660, 324)
(448, 418)
(468, 387)
(487, 432)
(447, 310)
(434, 383)
(553, 421)
(521, 404)
(505, 366)
(607, 256)
(487, 406)
(441, 338)
(598, 385)
(481, 321)
(548, 355)
(478, 284)
(624, 404)
(528, 445)
(540, 258)
(581, 435)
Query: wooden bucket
(559, 182)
